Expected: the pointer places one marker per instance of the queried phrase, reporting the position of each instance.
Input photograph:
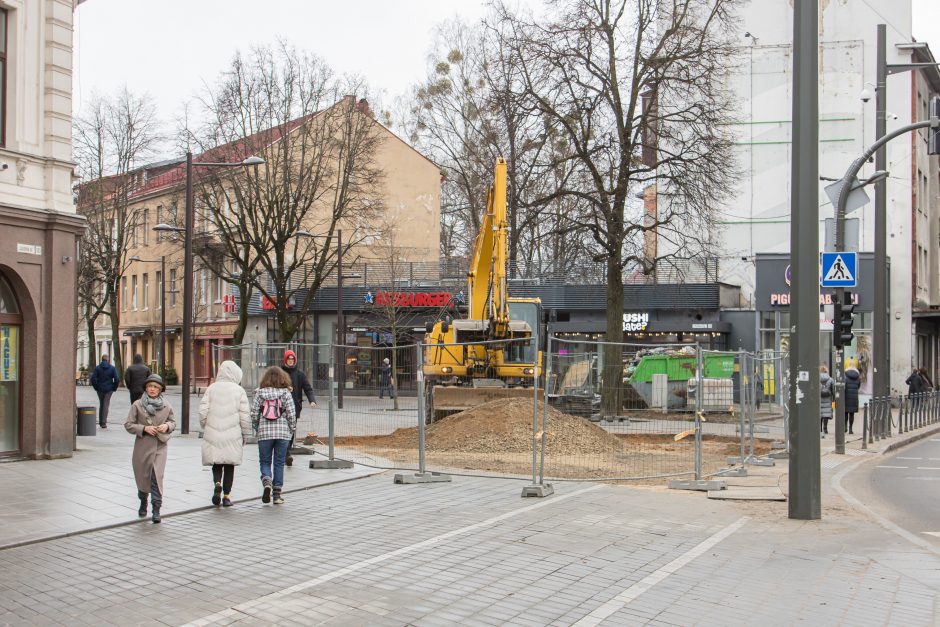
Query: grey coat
(825, 395)
(149, 452)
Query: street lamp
(162, 262)
(188, 272)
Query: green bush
(170, 377)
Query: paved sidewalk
(95, 487)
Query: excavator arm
(486, 278)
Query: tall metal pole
(881, 358)
(163, 315)
(187, 295)
(340, 322)
(805, 483)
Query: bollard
(904, 416)
(865, 430)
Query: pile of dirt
(506, 426)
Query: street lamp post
(162, 263)
(188, 274)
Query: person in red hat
(299, 386)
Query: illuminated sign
(268, 304)
(413, 299)
(635, 321)
(783, 299)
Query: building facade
(150, 290)
(38, 229)
(755, 225)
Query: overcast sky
(169, 48)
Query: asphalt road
(904, 487)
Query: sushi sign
(635, 321)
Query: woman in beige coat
(223, 415)
(151, 420)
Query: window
(160, 290)
(219, 288)
(134, 292)
(124, 293)
(159, 221)
(203, 286)
(3, 77)
(172, 288)
(146, 227)
(146, 294)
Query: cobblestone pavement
(473, 553)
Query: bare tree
(636, 91)
(112, 138)
(319, 175)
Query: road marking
(923, 478)
(932, 533)
(898, 467)
(917, 458)
(927, 468)
(618, 602)
(239, 610)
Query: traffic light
(933, 142)
(842, 320)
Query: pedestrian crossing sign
(839, 269)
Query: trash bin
(87, 420)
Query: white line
(305, 585)
(618, 602)
(927, 468)
(932, 533)
(922, 478)
(917, 458)
(899, 467)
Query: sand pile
(506, 426)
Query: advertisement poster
(9, 348)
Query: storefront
(772, 294)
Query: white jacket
(224, 417)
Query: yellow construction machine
(493, 352)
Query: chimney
(363, 106)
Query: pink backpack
(271, 408)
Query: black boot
(156, 514)
(217, 494)
(142, 511)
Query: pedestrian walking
(385, 379)
(299, 386)
(853, 381)
(273, 420)
(915, 383)
(151, 420)
(134, 378)
(825, 400)
(105, 381)
(928, 384)
(224, 417)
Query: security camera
(865, 95)
(4, 165)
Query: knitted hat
(155, 378)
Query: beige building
(38, 228)
(154, 275)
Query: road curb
(911, 438)
(137, 521)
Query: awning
(405, 320)
(138, 332)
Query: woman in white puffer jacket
(224, 417)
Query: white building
(757, 221)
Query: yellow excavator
(492, 353)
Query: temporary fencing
(613, 411)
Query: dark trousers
(104, 404)
(224, 473)
(386, 386)
(156, 499)
(297, 409)
(824, 424)
(850, 419)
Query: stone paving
(470, 552)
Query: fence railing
(885, 416)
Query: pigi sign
(635, 321)
(413, 299)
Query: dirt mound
(506, 425)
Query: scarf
(151, 405)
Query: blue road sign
(839, 269)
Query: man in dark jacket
(300, 386)
(853, 381)
(135, 376)
(104, 380)
(385, 379)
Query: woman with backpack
(151, 420)
(273, 420)
(223, 415)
